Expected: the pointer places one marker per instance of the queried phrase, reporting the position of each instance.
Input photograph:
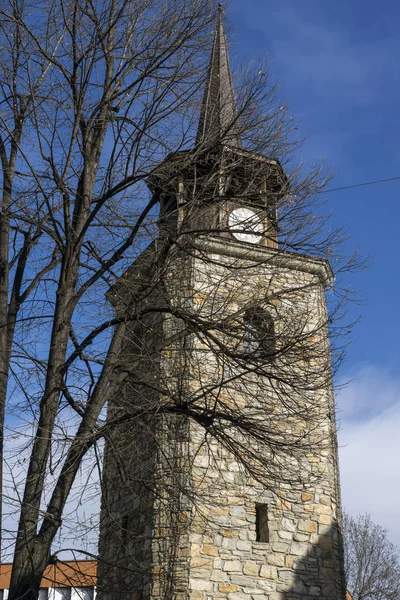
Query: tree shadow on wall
(319, 574)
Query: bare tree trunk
(28, 552)
(7, 320)
(4, 338)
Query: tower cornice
(263, 254)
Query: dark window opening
(124, 529)
(262, 526)
(259, 336)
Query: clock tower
(221, 473)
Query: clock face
(246, 225)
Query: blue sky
(338, 68)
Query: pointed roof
(218, 110)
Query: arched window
(259, 333)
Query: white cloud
(369, 440)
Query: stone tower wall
(191, 529)
(303, 556)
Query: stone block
(237, 522)
(229, 533)
(220, 511)
(269, 572)
(266, 585)
(244, 545)
(301, 537)
(307, 526)
(240, 580)
(201, 585)
(218, 575)
(229, 543)
(283, 504)
(200, 562)
(196, 596)
(277, 560)
(322, 509)
(251, 587)
(228, 588)
(325, 519)
(289, 561)
(279, 546)
(209, 550)
(314, 591)
(306, 497)
(237, 511)
(285, 535)
(299, 587)
(234, 500)
(288, 525)
(313, 459)
(251, 568)
(237, 596)
(197, 573)
(287, 576)
(299, 548)
(232, 566)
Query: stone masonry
(181, 521)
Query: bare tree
(371, 560)
(93, 96)
(72, 73)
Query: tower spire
(218, 110)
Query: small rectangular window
(124, 529)
(262, 528)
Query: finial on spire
(218, 110)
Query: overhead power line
(348, 187)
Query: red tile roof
(71, 573)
